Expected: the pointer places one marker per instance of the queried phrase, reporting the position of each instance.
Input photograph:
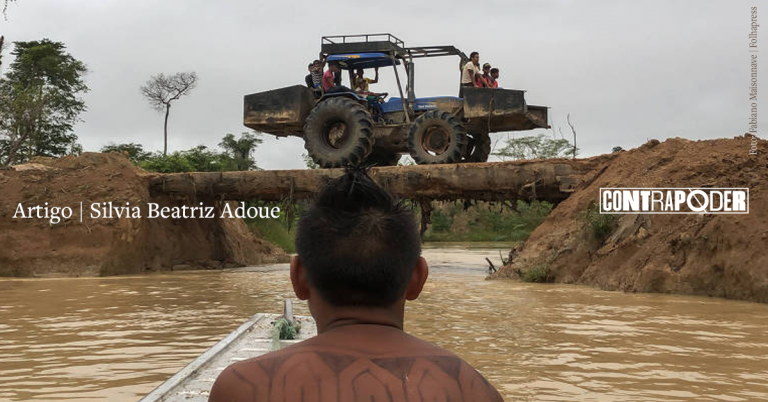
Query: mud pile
(110, 246)
(702, 254)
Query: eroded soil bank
(703, 254)
(110, 246)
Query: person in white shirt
(471, 76)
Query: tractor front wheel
(338, 132)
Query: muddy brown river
(117, 338)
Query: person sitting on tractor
(332, 79)
(360, 85)
(316, 70)
(471, 72)
(486, 77)
(494, 77)
(358, 264)
(308, 78)
(315, 77)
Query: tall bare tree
(5, 7)
(161, 90)
(574, 134)
(2, 45)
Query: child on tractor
(360, 84)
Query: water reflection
(117, 338)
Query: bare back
(355, 363)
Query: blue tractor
(341, 129)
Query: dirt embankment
(110, 246)
(713, 255)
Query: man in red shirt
(329, 76)
(332, 80)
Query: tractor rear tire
(382, 157)
(338, 132)
(478, 148)
(436, 137)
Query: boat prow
(254, 338)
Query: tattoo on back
(318, 376)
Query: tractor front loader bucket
(280, 112)
(495, 110)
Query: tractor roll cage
(435, 51)
(383, 42)
(395, 49)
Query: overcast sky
(625, 71)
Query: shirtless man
(359, 260)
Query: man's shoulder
(418, 368)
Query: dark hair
(357, 243)
(494, 70)
(473, 54)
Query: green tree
(173, 163)
(203, 159)
(534, 147)
(161, 90)
(237, 155)
(39, 102)
(136, 152)
(241, 149)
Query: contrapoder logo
(672, 200)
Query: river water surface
(117, 338)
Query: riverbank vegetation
(234, 154)
(483, 221)
(275, 231)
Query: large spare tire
(338, 132)
(478, 148)
(436, 137)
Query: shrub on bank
(538, 274)
(600, 226)
(273, 231)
